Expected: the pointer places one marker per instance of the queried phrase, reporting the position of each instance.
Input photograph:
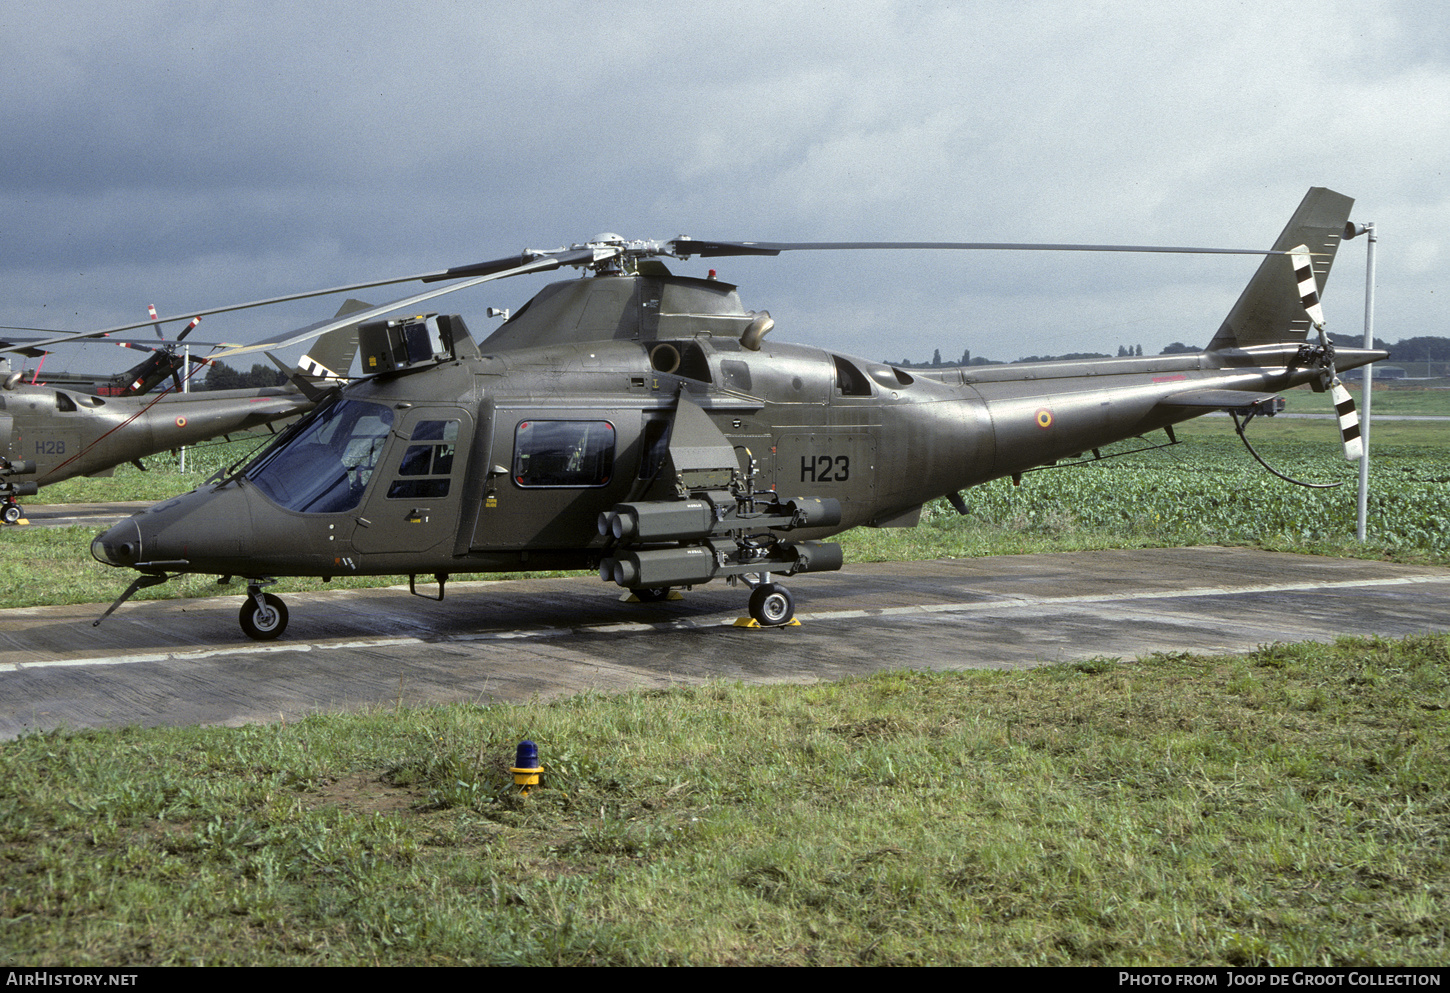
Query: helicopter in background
(637, 422)
(49, 434)
(163, 361)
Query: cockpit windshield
(324, 468)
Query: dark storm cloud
(195, 154)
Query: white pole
(185, 388)
(1368, 380)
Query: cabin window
(324, 467)
(563, 453)
(656, 447)
(736, 375)
(429, 454)
(850, 382)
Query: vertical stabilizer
(331, 355)
(1271, 308)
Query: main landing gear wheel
(652, 594)
(263, 623)
(11, 513)
(771, 605)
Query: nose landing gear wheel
(11, 513)
(652, 594)
(263, 623)
(771, 605)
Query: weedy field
(1208, 490)
(1291, 807)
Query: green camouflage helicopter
(638, 422)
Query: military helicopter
(638, 422)
(48, 434)
(161, 363)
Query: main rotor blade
(189, 328)
(682, 247)
(711, 249)
(134, 342)
(544, 263)
(520, 261)
(315, 330)
(23, 346)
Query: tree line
(220, 376)
(1423, 348)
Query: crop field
(1208, 490)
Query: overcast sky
(197, 154)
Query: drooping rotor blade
(148, 345)
(576, 255)
(314, 330)
(686, 247)
(151, 308)
(29, 351)
(549, 261)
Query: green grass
(1430, 397)
(1284, 808)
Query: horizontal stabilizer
(1241, 401)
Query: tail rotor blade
(1349, 432)
(1308, 285)
(1344, 410)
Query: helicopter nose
(120, 546)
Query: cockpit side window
(429, 454)
(325, 467)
